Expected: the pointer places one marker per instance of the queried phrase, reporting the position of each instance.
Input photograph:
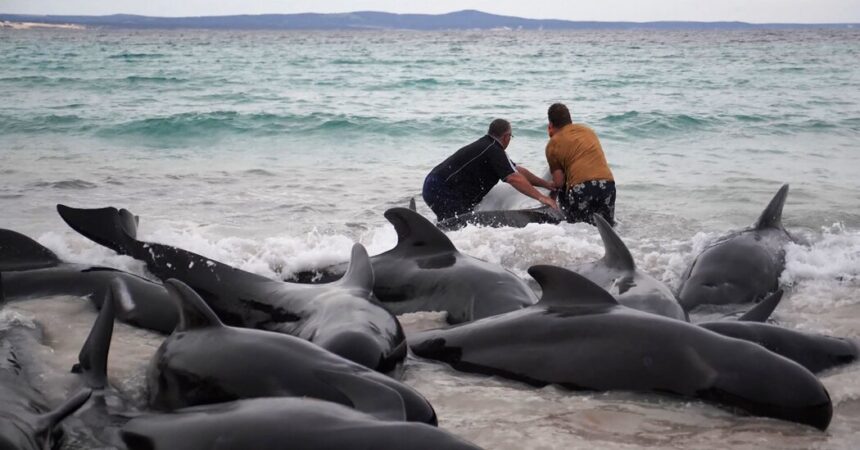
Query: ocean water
(275, 151)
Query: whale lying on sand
(205, 361)
(741, 267)
(341, 317)
(579, 337)
(616, 272)
(425, 272)
(29, 270)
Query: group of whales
(325, 357)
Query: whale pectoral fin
(46, 422)
(415, 232)
(771, 217)
(360, 271)
(761, 311)
(193, 310)
(562, 287)
(366, 395)
(92, 360)
(18, 252)
(617, 255)
(106, 226)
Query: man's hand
(549, 202)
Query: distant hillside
(379, 20)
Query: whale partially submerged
(205, 362)
(29, 270)
(426, 272)
(516, 218)
(278, 423)
(342, 317)
(741, 267)
(578, 336)
(616, 272)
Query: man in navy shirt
(459, 183)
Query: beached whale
(26, 423)
(741, 267)
(278, 423)
(616, 272)
(29, 270)
(341, 317)
(578, 336)
(425, 272)
(517, 218)
(205, 361)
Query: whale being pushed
(578, 336)
(341, 317)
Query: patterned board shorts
(580, 202)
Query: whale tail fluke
(193, 311)
(360, 271)
(115, 229)
(93, 358)
(771, 217)
(18, 252)
(763, 309)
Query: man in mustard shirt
(578, 167)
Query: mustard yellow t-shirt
(576, 150)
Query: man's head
(501, 130)
(558, 116)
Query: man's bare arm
(520, 183)
(534, 179)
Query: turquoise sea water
(274, 151)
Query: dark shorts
(580, 202)
(445, 203)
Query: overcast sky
(798, 11)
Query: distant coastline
(367, 20)
(30, 25)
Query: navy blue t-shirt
(474, 169)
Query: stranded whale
(341, 317)
(742, 267)
(578, 336)
(425, 272)
(205, 361)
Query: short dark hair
(498, 128)
(559, 115)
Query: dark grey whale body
(742, 267)
(29, 270)
(341, 317)
(517, 218)
(205, 362)
(425, 272)
(26, 423)
(616, 272)
(578, 336)
(278, 423)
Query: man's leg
(604, 201)
(589, 198)
(438, 198)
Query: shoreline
(9, 25)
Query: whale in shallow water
(278, 423)
(616, 272)
(517, 218)
(205, 361)
(341, 317)
(578, 336)
(26, 423)
(425, 272)
(29, 270)
(741, 267)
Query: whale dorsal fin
(92, 360)
(617, 254)
(415, 232)
(360, 271)
(761, 311)
(46, 422)
(366, 395)
(412, 205)
(128, 222)
(193, 311)
(562, 287)
(18, 252)
(771, 217)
